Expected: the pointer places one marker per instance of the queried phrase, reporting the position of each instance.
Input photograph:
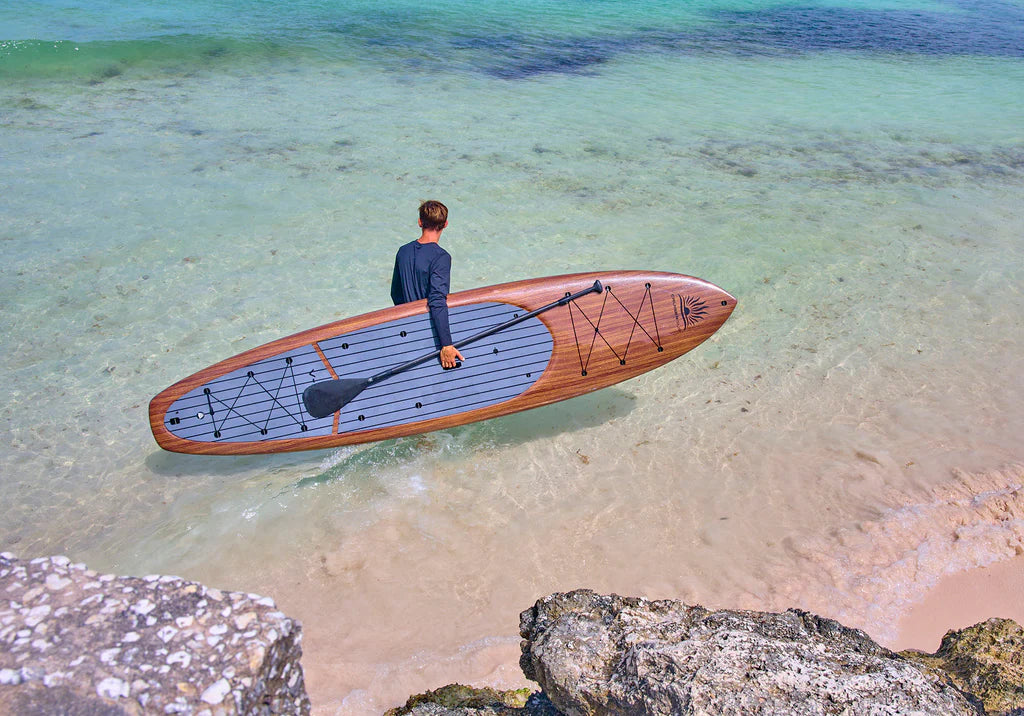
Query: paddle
(329, 396)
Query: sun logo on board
(690, 310)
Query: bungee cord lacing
(645, 300)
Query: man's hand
(449, 356)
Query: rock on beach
(73, 641)
(612, 655)
(76, 642)
(609, 654)
(986, 660)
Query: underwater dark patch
(524, 56)
(991, 30)
(968, 29)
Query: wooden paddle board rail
(251, 403)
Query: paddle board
(565, 336)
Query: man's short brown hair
(433, 215)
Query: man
(423, 270)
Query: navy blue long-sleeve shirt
(424, 271)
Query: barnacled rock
(595, 654)
(459, 700)
(986, 660)
(76, 642)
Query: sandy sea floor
(849, 442)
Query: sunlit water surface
(179, 185)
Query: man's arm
(397, 293)
(437, 297)
(437, 302)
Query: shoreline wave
(879, 568)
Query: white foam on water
(880, 566)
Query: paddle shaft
(383, 375)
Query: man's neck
(429, 236)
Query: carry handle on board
(329, 396)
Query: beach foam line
(879, 570)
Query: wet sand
(962, 600)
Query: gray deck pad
(263, 401)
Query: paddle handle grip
(596, 288)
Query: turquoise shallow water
(180, 184)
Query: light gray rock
(76, 642)
(596, 654)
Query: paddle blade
(330, 396)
